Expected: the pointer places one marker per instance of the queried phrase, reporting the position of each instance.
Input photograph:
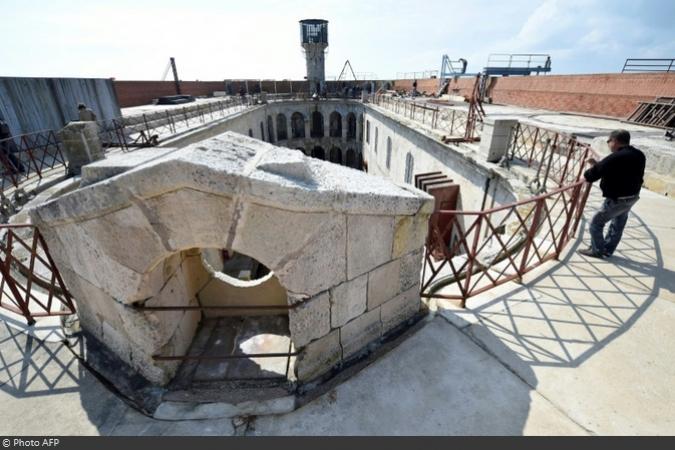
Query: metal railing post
(574, 200)
(472, 257)
(582, 205)
(531, 233)
(24, 142)
(534, 145)
(572, 143)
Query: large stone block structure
(345, 246)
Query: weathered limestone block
(196, 274)
(258, 227)
(190, 218)
(163, 323)
(360, 332)
(117, 163)
(411, 268)
(496, 137)
(409, 234)
(369, 243)
(73, 249)
(136, 236)
(383, 283)
(117, 341)
(319, 237)
(178, 344)
(94, 307)
(81, 145)
(400, 308)
(310, 320)
(318, 357)
(348, 300)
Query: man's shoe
(590, 252)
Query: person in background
(86, 114)
(8, 149)
(621, 174)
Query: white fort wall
(264, 122)
(415, 151)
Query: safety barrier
(26, 157)
(469, 252)
(31, 284)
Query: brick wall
(134, 93)
(613, 95)
(428, 85)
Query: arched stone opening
(351, 126)
(336, 155)
(335, 124)
(244, 312)
(298, 125)
(319, 153)
(270, 128)
(316, 130)
(282, 130)
(351, 159)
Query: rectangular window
(367, 131)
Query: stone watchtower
(314, 38)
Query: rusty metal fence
(557, 157)
(451, 122)
(470, 252)
(29, 156)
(147, 129)
(31, 284)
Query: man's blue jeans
(615, 212)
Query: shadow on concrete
(31, 367)
(437, 382)
(569, 313)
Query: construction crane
(344, 71)
(450, 69)
(172, 65)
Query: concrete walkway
(583, 347)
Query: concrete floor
(582, 347)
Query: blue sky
(218, 39)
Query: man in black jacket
(621, 174)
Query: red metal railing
(31, 284)
(474, 251)
(458, 126)
(558, 158)
(450, 121)
(29, 156)
(148, 129)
